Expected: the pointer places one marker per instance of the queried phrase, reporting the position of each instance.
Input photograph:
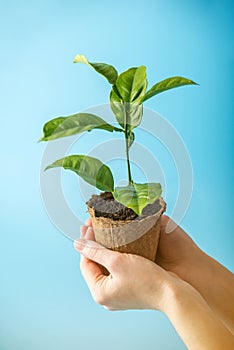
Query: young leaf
(167, 84)
(131, 138)
(134, 114)
(126, 113)
(74, 124)
(90, 169)
(126, 97)
(117, 107)
(108, 71)
(137, 196)
(132, 84)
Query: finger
(89, 235)
(91, 272)
(97, 253)
(167, 225)
(88, 222)
(83, 230)
(83, 233)
(86, 232)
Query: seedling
(127, 95)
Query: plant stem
(128, 162)
(130, 181)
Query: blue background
(44, 301)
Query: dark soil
(106, 206)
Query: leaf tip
(138, 212)
(75, 59)
(80, 58)
(194, 83)
(41, 139)
(50, 166)
(142, 67)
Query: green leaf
(134, 115)
(126, 113)
(108, 71)
(130, 138)
(74, 124)
(117, 107)
(137, 196)
(167, 84)
(126, 97)
(90, 169)
(132, 84)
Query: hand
(177, 252)
(133, 283)
(137, 283)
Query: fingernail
(80, 243)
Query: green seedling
(127, 95)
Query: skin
(178, 253)
(192, 289)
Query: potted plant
(125, 218)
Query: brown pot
(139, 236)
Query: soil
(106, 206)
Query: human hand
(137, 283)
(133, 283)
(177, 252)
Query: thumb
(96, 252)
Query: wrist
(178, 293)
(201, 271)
(191, 266)
(171, 292)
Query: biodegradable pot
(139, 235)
